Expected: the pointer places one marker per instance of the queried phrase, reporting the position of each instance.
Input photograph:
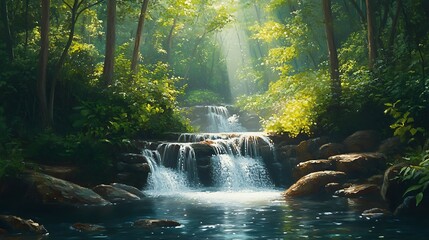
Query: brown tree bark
(43, 64)
(7, 34)
(170, 41)
(333, 56)
(372, 47)
(109, 57)
(140, 26)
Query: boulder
(331, 149)
(331, 188)
(87, 227)
(375, 213)
(150, 223)
(309, 149)
(14, 224)
(45, 189)
(360, 164)
(130, 189)
(394, 188)
(310, 166)
(360, 190)
(362, 141)
(391, 146)
(314, 183)
(114, 194)
(132, 158)
(133, 167)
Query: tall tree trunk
(140, 26)
(391, 43)
(333, 56)
(109, 58)
(7, 34)
(358, 10)
(43, 64)
(372, 48)
(170, 41)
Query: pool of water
(209, 214)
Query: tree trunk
(372, 48)
(110, 43)
(7, 34)
(27, 3)
(140, 26)
(43, 64)
(170, 41)
(358, 10)
(333, 56)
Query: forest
(79, 78)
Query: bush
(202, 97)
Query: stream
(218, 186)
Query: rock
(391, 146)
(149, 223)
(375, 213)
(376, 179)
(132, 179)
(114, 194)
(361, 190)
(393, 188)
(45, 189)
(133, 167)
(310, 166)
(2, 231)
(362, 141)
(130, 189)
(13, 224)
(331, 149)
(309, 149)
(132, 158)
(314, 183)
(331, 188)
(67, 173)
(87, 227)
(360, 164)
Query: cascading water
(226, 159)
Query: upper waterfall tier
(216, 119)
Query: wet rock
(286, 151)
(360, 164)
(130, 189)
(67, 173)
(391, 146)
(314, 183)
(45, 189)
(331, 188)
(133, 167)
(87, 227)
(375, 213)
(132, 179)
(14, 224)
(150, 223)
(309, 149)
(114, 194)
(393, 188)
(361, 190)
(376, 179)
(310, 166)
(2, 231)
(362, 141)
(331, 149)
(132, 158)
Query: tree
(76, 9)
(110, 43)
(333, 56)
(7, 34)
(140, 26)
(43, 64)
(372, 49)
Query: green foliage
(202, 97)
(404, 124)
(417, 173)
(292, 104)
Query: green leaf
(419, 198)
(412, 188)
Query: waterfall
(219, 120)
(224, 161)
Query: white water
(237, 169)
